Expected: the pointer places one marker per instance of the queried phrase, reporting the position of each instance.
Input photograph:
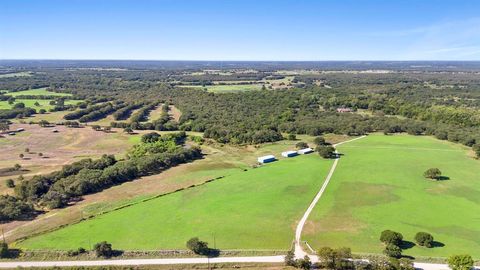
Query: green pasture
(253, 209)
(379, 185)
(37, 92)
(43, 103)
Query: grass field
(16, 74)
(44, 103)
(379, 185)
(37, 92)
(254, 209)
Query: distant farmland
(379, 185)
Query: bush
(391, 237)
(4, 252)
(301, 145)
(304, 263)
(432, 173)
(319, 141)
(326, 151)
(197, 246)
(393, 251)
(10, 183)
(292, 137)
(424, 239)
(77, 252)
(476, 149)
(290, 259)
(460, 262)
(103, 249)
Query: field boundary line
(21, 239)
(299, 252)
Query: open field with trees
(64, 147)
(379, 184)
(221, 193)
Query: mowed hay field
(253, 209)
(379, 184)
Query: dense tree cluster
(142, 114)
(12, 208)
(125, 112)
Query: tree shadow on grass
(437, 244)
(443, 178)
(406, 245)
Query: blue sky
(240, 30)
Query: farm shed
(305, 151)
(20, 129)
(266, 159)
(289, 153)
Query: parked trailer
(289, 153)
(266, 159)
(305, 151)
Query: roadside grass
(253, 209)
(379, 185)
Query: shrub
(424, 239)
(393, 251)
(391, 237)
(476, 149)
(326, 151)
(197, 246)
(460, 262)
(319, 141)
(10, 183)
(103, 249)
(4, 252)
(292, 137)
(301, 145)
(290, 259)
(432, 173)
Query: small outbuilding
(20, 129)
(266, 159)
(289, 153)
(305, 151)
(55, 131)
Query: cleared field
(43, 103)
(227, 88)
(15, 74)
(37, 92)
(64, 147)
(253, 209)
(379, 185)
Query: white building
(266, 159)
(305, 151)
(289, 153)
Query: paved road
(299, 252)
